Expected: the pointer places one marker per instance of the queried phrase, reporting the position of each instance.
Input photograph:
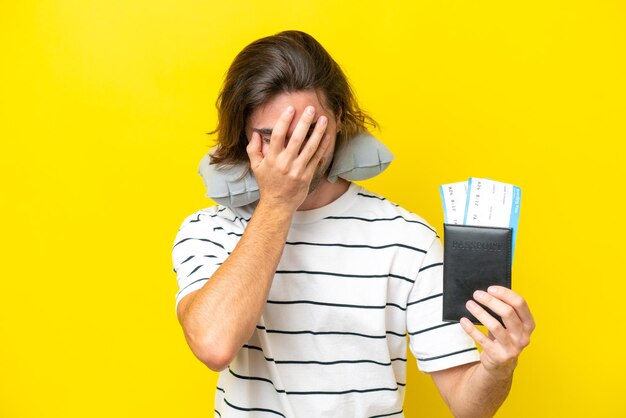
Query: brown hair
(286, 62)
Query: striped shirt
(356, 277)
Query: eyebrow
(268, 131)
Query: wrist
(276, 211)
(278, 208)
(501, 373)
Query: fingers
(294, 152)
(518, 303)
(507, 312)
(497, 358)
(311, 149)
(313, 162)
(303, 152)
(516, 335)
(492, 324)
(300, 132)
(254, 150)
(475, 333)
(279, 132)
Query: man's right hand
(284, 172)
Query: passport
(474, 258)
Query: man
(303, 300)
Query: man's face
(265, 117)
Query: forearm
(479, 393)
(223, 314)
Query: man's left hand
(504, 344)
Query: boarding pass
(482, 202)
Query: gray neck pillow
(360, 158)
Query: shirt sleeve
(436, 344)
(200, 247)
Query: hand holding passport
(481, 218)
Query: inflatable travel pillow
(362, 157)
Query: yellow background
(104, 107)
